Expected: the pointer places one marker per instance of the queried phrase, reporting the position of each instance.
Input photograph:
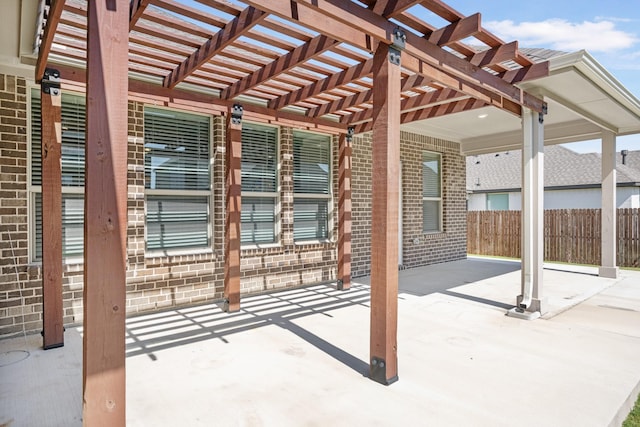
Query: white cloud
(560, 34)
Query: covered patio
(367, 69)
(299, 357)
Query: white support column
(531, 299)
(608, 266)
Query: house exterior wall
(419, 248)
(579, 198)
(156, 280)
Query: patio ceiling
(308, 60)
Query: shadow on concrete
(153, 333)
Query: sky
(609, 30)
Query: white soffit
(583, 99)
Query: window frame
(329, 197)
(181, 193)
(433, 199)
(277, 206)
(33, 190)
(506, 195)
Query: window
(311, 186)
(73, 134)
(431, 192)
(177, 179)
(498, 202)
(259, 183)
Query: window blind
(73, 139)
(259, 158)
(310, 219)
(177, 222)
(72, 225)
(430, 175)
(176, 150)
(311, 163)
(258, 220)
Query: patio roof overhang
(583, 100)
(309, 58)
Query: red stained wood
(233, 201)
(333, 81)
(237, 27)
(105, 229)
(384, 216)
(302, 53)
(53, 19)
(136, 11)
(344, 213)
(52, 310)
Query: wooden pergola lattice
(337, 66)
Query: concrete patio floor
(299, 357)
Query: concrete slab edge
(626, 407)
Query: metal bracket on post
(543, 113)
(50, 83)
(397, 45)
(378, 372)
(236, 114)
(350, 132)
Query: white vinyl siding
(311, 186)
(177, 179)
(259, 183)
(73, 142)
(431, 192)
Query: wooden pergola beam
(391, 8)
(383, 30)
(456, 31)
(105, 227)
(420, 102)
(136, 10)
(299, 55)
(53, 19)
(236, 28)
(494, 55)
(329, 83)
(433, 111)
(383, 366)
(51, 154)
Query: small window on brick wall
(431, 192)
(311, 186)
(73, 139)
(259, 183)
(177, 179)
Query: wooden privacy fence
(570, 235)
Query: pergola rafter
(332, 66)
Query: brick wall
(419, 248)
(156, 282)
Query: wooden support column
(531, 298)
(233, 200)
(384, 217)
(105, 204)
(51, 120)
(344, 211)
(608, 267)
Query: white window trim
(440, 229)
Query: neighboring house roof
(562, 168)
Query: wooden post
(233, 200)
(51, 120)
(384, 216)
(344, 211)
(105, 204)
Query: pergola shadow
(151, 334)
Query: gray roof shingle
(562, 167)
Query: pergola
(337, 66)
